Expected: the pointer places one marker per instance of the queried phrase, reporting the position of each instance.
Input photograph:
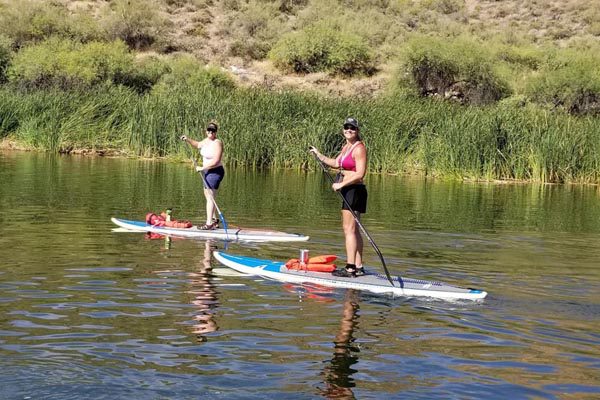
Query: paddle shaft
(362, 228)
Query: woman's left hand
(337, 186)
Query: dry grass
(209, 29)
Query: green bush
(571, 82)
(255, 29)
(67, 64)
(459, 68)
(145, 73)
(323, 47)
(5, 56)
(523, 56)
(445, 6)
(136, 22)
(187, 72)
(27, 21)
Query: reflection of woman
(338, 378)
(205, 296)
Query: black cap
(212, 127)
(352, 122)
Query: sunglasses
(349, 127)
(211, 130)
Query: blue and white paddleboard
(375, 283)
(232, 233)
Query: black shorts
(214, 176)
(356, 196)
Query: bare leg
(359, 244)
(354, 242)
(210, 205)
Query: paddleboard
(375, 283)
(232, 233)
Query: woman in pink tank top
(352, 162)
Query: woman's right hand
(313, 150)
(183, 137)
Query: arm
(189, 141)
(360, 157)
(330, 162)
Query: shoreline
(7, 144)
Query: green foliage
(59, 121)
(254, 29)
(402, 135)
(25, 21)
(461, 68)
(66, 64)
(444, 6)
(146, 72)
(186, 72)
(570, 81)
(136, 22)
(529, 57)
(5, 57)
(323, 47)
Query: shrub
(524, 56)
(461, 69)
(255, 30)
(145, 73)
(445, 6)
(322, 47)
(31, 21)
(186, 71)
(572, 82)
(5, 56)
(136, 22)
(67, 64)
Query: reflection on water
(338, 374)
(204, 295)
(89, 313)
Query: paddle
(324, 168)
(211, 196)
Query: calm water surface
(90, 313)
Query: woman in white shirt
(211, 150)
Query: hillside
(237, 35)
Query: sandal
(215, 223)
(360, 271)
(207, 227)
(345, 272)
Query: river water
(86, 312)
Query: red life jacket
(317, 264)
(161, 220)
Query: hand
(313, 149)
(199, 169)
(183, 137)
(337, 186)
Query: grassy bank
(269, 129)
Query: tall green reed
(262, 128)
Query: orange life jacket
(317, 264)
(161, 220)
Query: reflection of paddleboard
(232, 233)
(375, 283)
(225, 272)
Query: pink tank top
(345, 160)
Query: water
(90, 313)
